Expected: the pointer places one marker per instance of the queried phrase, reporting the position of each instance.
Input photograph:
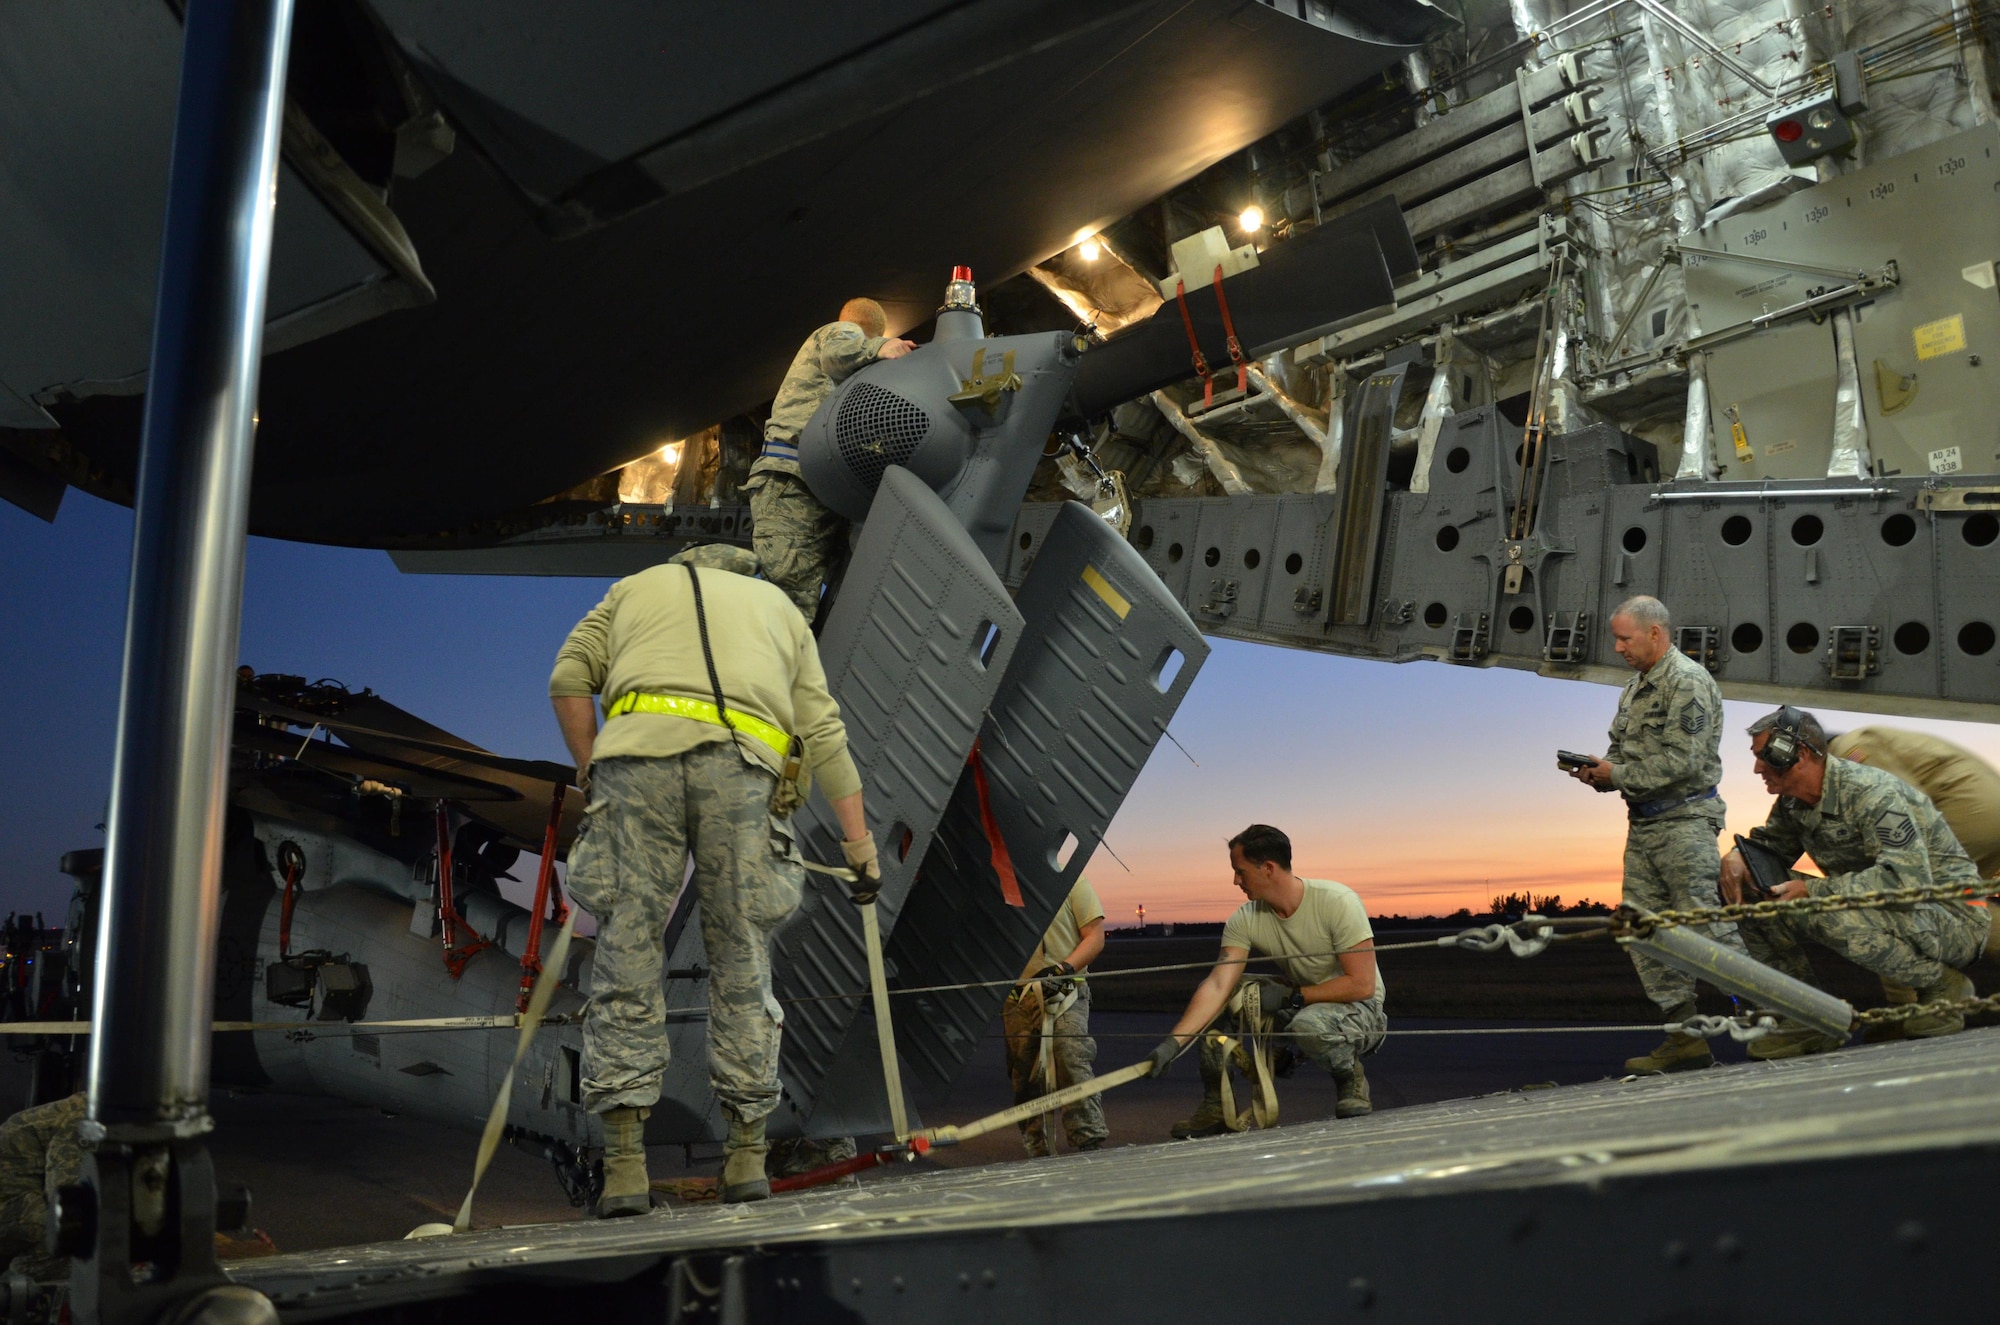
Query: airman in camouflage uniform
(1867, 830)
(39, 1152)
(1057, 969)
(626, 870)
(1964, 787)
(1665, 759)
(798, 540)
(674, 771)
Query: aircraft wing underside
(518, 247)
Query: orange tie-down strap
(1003, 864)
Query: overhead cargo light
(1252, 219)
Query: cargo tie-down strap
(496, 1121)
(1044, 1075)
(1250, 1052)
(1199, 359)
(878, 990)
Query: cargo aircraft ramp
(1824, 1188)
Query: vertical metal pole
(162, 869)
(149, 1058)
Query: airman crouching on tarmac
(1666, 759)
(1329, 996)
(1869, 831)
(1047, 1020)
(711, 683)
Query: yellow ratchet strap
(701, 710)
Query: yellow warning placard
(1102, 588)
(1945, 336)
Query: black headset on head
(1788, 737)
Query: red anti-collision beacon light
(960, 294)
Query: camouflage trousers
(39, 1152)
(799, 542)
(1334, 1035)
(626, 870)
(1072, 1051)
(1909, 945)
(1674, 865)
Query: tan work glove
(867, 869)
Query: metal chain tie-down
(1524, 938)
(1629, 922)
(1487, 939)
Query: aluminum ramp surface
(1850, 1186)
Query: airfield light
(1089, 249)
(1252, 219)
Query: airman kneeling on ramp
(1869, 831)
(1328, 997)
(1964, 787)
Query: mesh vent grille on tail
(875, 429)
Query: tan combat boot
(1207, 1118)
(1954, 985)
(626, 1188)
(743, 1176)
(1791, 1040)
(1677, 1053)
(1353, 1101)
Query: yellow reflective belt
(701, 710)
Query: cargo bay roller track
(1830, 1188)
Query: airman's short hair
(866, 314)
(1646, 612)
(1262, 844)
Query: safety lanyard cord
(708, 656)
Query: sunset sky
(1423, 786)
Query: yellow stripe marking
(1102, 588)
